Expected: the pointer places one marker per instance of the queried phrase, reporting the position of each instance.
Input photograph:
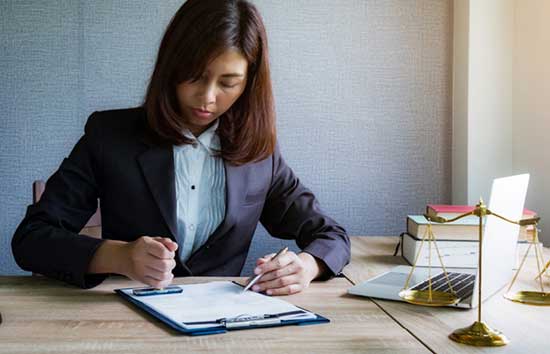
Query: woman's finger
(278, 273)
(286, 290)
(276, 283)
(264, 259)
(162, 265)
(157, 249)
(276, 263)
(158, 275)
(156, 283)
(168, 243)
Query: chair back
(92, 227)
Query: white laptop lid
(500, 237)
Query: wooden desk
(43, 315)
(524, 325)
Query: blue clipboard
(216, 326)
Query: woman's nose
(208, 94)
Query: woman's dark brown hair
(197, 34)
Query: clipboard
(222, 297)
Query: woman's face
(203, 101)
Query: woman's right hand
(150, 260)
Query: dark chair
(92, 227)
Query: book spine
(460, 254)
(456, 232)
(453, 253)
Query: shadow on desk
(383, 260)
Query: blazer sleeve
(47, 240)
(291, 211)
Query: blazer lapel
(157, 164)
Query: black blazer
(117, 161)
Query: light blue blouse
(200, 190)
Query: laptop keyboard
(462, 284)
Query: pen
(257, 277)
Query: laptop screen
(500, 237)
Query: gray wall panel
(363, 98)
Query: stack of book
(457, 241)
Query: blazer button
(207, 247)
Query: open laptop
(498, 256)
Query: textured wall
(362, 95)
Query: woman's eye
(229, 85)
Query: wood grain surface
(43, 315)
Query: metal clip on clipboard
(250, 321)
(259, 320)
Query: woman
(184, 179)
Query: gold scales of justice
(479, 333)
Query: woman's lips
(201, 113)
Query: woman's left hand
(289, 273)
